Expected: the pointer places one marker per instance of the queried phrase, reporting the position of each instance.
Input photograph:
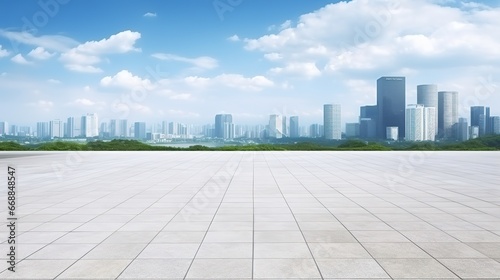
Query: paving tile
(383, 236)
(451, 250)
(281, 251)
(164, 251)
(489, 249)
(220, 269)
(156, 269)
(338, 251)
(115, 251)
(415, 268)
(179, 237)
(37, 269)
(229, 236)
(328, 236)
(269, 236)
(395, 251)
(351, 268)
(62, 251)
(228, 250)
(88, 269)
(473, 268)
(285, 269)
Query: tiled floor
(255, 215)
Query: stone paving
(254, 215)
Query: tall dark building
(477, 118)
(222, 121)
(447, 114)
(368, 112)
(294, 127)
(391, 104)
(488, 128)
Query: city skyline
(187, 62)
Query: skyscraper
(414, 123)
(91, 125)
(352, 129)
(427, 95)
(70, 128)
(391, 103)
(447, 114)
(420, 123)
(332, 121)
(477, 118)
(56, 129)
(488, 129)
(42, 129)
(368, 121)
(462, 130)
(223, 122)
(123, 128)
(495, 125)
(294, 127)
(140, 130)
(275, 126)
(4, 128)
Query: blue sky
(188, 60)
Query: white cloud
(363, 35)
(19, 59)
(50, 42)
(307, 69)
(125, 79)
(3, 52)
(202, 62)
(84, 102)
(234, 38)
(256, 83)
(40, 53)
(53, 81)
(149, 15)
(84, 57)
(286, 24)
(273, 56)
(42, 104)
(83, 68)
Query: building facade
(332, 121)
(391, 104)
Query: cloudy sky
(187, 60)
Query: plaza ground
(254, 215)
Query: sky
(188, 60)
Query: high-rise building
(488, 129)
(477, 118)
(368, 128)
(14, 130)
(391, 102)
(332, 121)
(91, 125)
(123, 129)
(462, 130)
(447, 114)
(223, 124)
(473, 131)
(42, 130)
(83, 126)
(284, 127)
(352, 130)
(316, 130)
(113, 129)
(420, 123)
(427, 95)
(140, 130)
(414, 123)
(294, 127)
(275, 126)
(164, 127)
(4, 128)
(495, 125)
(430, 123)
(368, 112)
(56, 129)
(70, 128)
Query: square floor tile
(415, 268)
(350, 268)
(285, 269)
(220, 269)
